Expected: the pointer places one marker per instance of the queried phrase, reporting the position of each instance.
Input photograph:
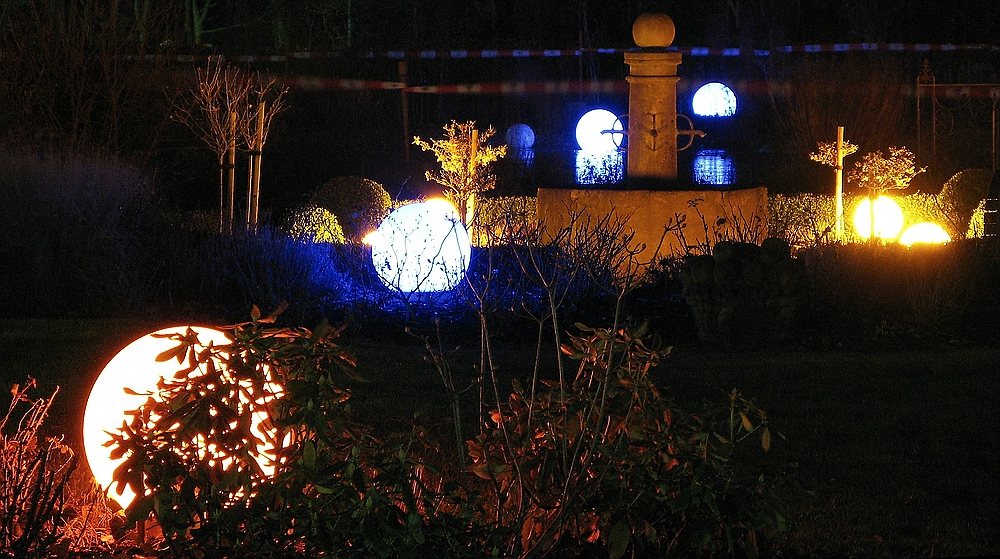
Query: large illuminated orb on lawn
(888, 218)
(134, 368)
(714, 99)
(421, 247)
(594, 131)
(926, 233)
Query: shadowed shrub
(359, 204)
(72, 235)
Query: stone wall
(705, 216)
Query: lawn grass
(897, 451)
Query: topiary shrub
(960, 197)
(360, 204)
(316, 224)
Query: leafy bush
(499, 219)
(317, 225)
(271, 268)
(73, 231)
(807, 220)
(360, 204)
(745, 293)
(604, 457)
(335, 488)
(960, 197)
(34, 472)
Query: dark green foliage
(337, 488)
(271, 268)
(606, 458)
(601, 458)
(360, 204)
(744, 293)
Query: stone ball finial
(653, 30)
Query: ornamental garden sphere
(520, 136)
(125, 384)
(421, 247)
(714, 99)
(596, 131)
(888, 218)
(924, 233)
(129, 380)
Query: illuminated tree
(833, 154)
(465, 164)
(826, 152)
(878, 174)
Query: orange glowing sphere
(926, 233)
(128, 381)
(888, 218)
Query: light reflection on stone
(714, 166)
(594, 167)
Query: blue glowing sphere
(421, 247)
(594, 131)
(520, 136)
(714, 99)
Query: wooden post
(230, 168)
(406, 111)
(255, 170)
(468, 212)
(840, 183)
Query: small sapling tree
(466, 164)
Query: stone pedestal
(652, 99)
(652, 113)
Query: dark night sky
(442, 24)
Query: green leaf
(618, 539)
(309, 455)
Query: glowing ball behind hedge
(421, 247)
(926, 233)
(594, 131)
(520, 136)
(888, 218)
(134, 368)
(714, 99)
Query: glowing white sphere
(520, 136)
(888, 218)
(421, 247)
(134, 368)
(592, 131)
(925, 232)
(714, 99)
